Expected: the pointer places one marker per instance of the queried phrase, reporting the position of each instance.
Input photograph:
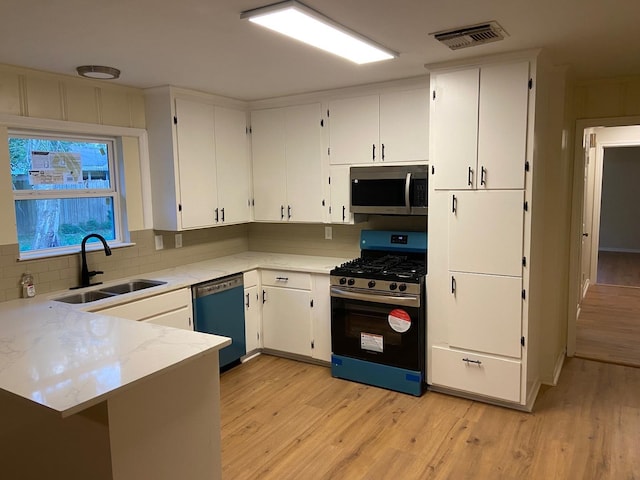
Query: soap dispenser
(28, 288)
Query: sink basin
(85, 297)
(131, 286)
(112, 291)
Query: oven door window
(380, 333)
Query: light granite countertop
(66, 358)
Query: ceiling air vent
(472, 35)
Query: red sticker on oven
(399, 320)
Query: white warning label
(371, 342)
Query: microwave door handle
(407, 189)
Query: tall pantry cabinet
(484, 322)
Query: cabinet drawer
(250, 278)
(492, 377)
(283, 278)
(151, 306)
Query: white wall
(620, 213)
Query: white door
(454, 129)
(197, 163)
(303, 152)
(502, 125)
(269, 166)
(340, 189)
(587, 214)
(233, 165)
(286, 320)
(485, 313)
(486, 232)
(404, 126)
(354, 130)
(252, 318)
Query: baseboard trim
(557, 369)
(618, 250)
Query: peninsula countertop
(66, 358)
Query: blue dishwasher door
(222, 313)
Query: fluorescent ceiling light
(298, 21)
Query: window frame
(115, 192)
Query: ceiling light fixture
(98, 71)
(298, 21)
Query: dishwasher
(218, 308)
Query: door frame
(575, 260)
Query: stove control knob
(372, 284)
(393, 286)
(351, 282)
(343, 281)
(402, 287)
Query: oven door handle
(407, 301)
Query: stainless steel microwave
(390, 190)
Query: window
(64, 188)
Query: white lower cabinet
(171, 309)
(296, 313)
(252, 323)
(475, 373)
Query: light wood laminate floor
(608, 327)
(283, 419)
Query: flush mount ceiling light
(298, 21)
(98, 71)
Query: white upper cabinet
(233, 166)
(196, 163)
(390, 127)
(199, 158)
(479, 127)
(340, 190)
(287, 164)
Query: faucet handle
(95, 272)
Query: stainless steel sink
(112, 291)
(85, 297)
(131, 286)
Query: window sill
(74, 250)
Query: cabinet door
(404, 126)
(321, 319)
(286, 320)
(252, 318)
(340, 189)
(303, 149)
(196, 163)
(354, 130)
(177, 319)
(233, 165)
(454, 129)
(502, 127)
(269, 167)
(485, 313)
(486, 232)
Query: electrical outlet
(178, 240)
(328, 233)
(159, 244)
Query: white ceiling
(203, 44)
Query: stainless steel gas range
(378, 312)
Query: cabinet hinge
(311, 303)
(323, 203)
(329, 210)
(524, 261)
(329, 151)
(313, 345)
(322, 122)
(524, 294)
(434, 94)
(433, 170)
(526, 206)
(530, 83)
(329, 180)
(248, 130)
(327, 113)
(175, 120)
(526, 166)
(179, 207)
(522, 341)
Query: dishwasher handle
(217, 286)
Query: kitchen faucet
(85, 274)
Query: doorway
(608, 319)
